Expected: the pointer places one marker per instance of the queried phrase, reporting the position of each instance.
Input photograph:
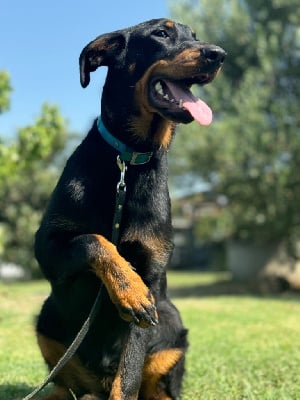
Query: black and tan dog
(136, 346)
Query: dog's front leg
(127, 382)
(62, 260)
(125, 287)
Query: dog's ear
(101, 51)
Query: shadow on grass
(16, 391)
(231, 288)
(219, 288)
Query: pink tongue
(198, 109)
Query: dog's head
(151, 68)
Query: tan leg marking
(73, 375)
(125, 287)
(157, 365)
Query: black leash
(120, 199)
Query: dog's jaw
(163, 97)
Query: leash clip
(120, 200)
(121, 184)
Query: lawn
(242, 346)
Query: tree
(5, 90)
(251, 152)
(27, 176)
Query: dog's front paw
(143, 313)
(135, 301)
(126, 288)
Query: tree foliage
(251, 152)
(27, 175)
(5, 90)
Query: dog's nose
(213, 54)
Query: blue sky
(40, 43)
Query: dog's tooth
(166, 96)
(180, 103)
(159, 88)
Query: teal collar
(126, 152)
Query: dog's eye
(160, 33)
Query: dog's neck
(156, 134)
(127, 153)
(142, 130)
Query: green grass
(241, 346)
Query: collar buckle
(140, 158)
